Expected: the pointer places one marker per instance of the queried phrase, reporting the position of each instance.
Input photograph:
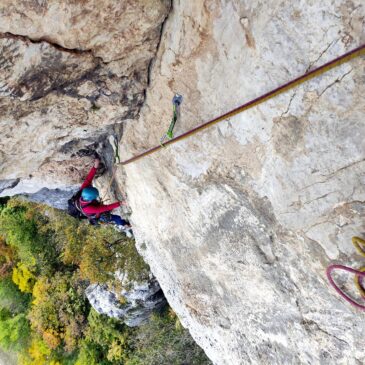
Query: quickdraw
(176, 101)
(254, 102)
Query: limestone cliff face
(70, 72)
(240, 221)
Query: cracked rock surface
(239, 222)
(70, 73)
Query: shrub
(14, 330)
(53, 257)
(91, 354)
(23, 278)
(109, 335)
(25, 229)
(12, 298)
(105, 252)
(161, 342)
(98, 251)
(7, 258)
(59, 310)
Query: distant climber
(85, 203)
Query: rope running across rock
(309, 75)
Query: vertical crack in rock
(161, 33)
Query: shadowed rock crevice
(70, 81)
(45, 40)
(8, 184)
(30, 71)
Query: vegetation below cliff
(47, 260)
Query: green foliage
(25, 229)
(98, 251)
(14, 330)
(58, 311)
(69, 236)
(105, 252)
(109, 335)
(12, 298)
(162, 342)
(91, 354)
(23, 278)
(51, 258)
(7, 258)
(39, 353)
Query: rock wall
(239, 222)
(70, 72)
(133, 307)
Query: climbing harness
(176, 101)
(309, 75)
(359, 275)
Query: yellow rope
(359, 243)
(359, 287)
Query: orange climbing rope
(309, 75)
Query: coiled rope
(359, 243)
(309, 75)
(358, 274)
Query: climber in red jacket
(92, 208)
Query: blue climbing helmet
(89, 194)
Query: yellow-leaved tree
(23, 278)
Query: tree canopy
(47, 261)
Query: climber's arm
(90, 176)
(98, 209)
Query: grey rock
(69, 73)
(8, 184)
(141, 300)
(56, 198)
(239, 222)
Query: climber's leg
(113, 218)
(119, 221)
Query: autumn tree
(59, 310)
(7, 258)
(14, 330)
(25, 230)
